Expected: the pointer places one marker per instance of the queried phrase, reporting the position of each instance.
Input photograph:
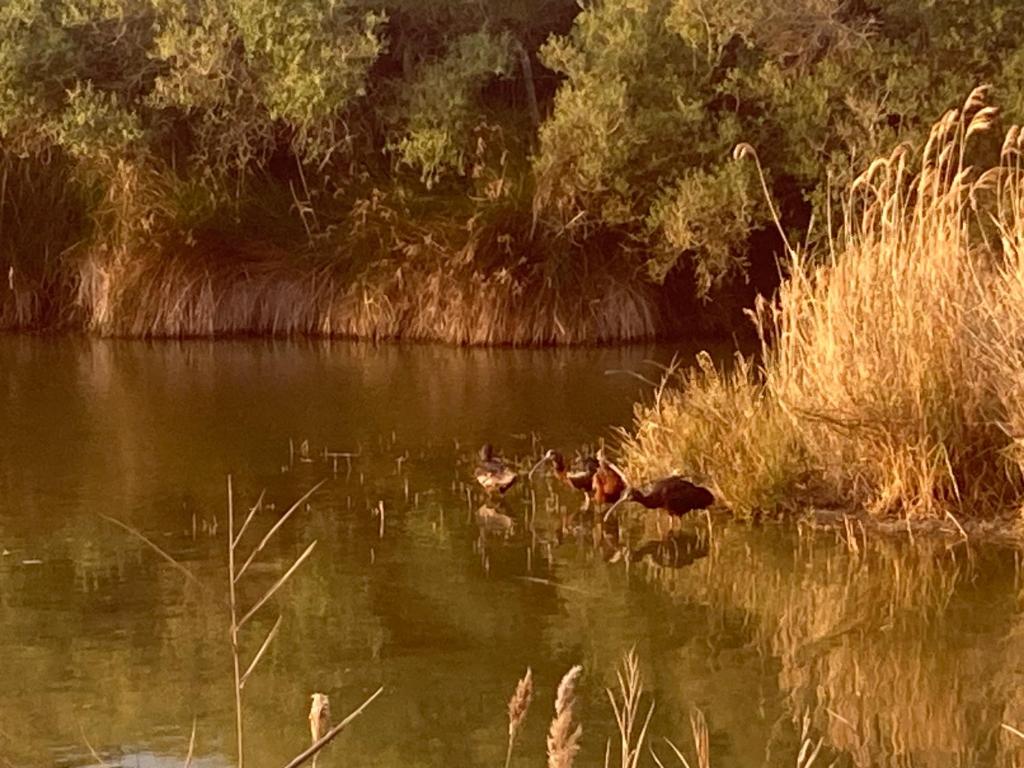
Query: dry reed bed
(892, 364)
(178, 297)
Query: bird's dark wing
(581, 476)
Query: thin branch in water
(141, 536)
(329, 736)
(191, 745)
(679, 755)
(95, 756)
(263, 648)
(255, 508)
(277, 585)
(270, 534)
(233, 606)
(1010, 729)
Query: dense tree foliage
(600, 130)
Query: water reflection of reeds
(904, 655)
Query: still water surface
(897, 655)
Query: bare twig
(234, 625)
(1010, 729)
(141, 536)
(255, 508)
(270, 534)
(99, 760)
(329, 736)
(191, 745)
(259, 654)
(278, 584)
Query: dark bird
(673, 494)
(579, 477)
(494, 473)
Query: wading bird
(494, 473)
(608, 483)
(579, 477)
(673, 494)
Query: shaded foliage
(608, 125)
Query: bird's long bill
(618, 470)
(536, 467)
(615, 506)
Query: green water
(897, 654)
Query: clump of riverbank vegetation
(529, 172)
(891, 370)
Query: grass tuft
(891, 372)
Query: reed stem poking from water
(234, 576)
(699, 726)
(627, 709)
(240, 745)
(518, 705)
(319, 719)
(328, 737)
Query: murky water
(896, 654)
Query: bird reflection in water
(677, 549)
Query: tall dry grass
(163, 256)
(891, 364)
(182, 296)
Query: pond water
(890, 652)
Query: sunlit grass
(890, 371)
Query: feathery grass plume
(563, 738)
(892, 376)
(517, 708)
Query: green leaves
(657, 92)
(438, 107)
(96, 127)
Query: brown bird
(579, 477)
(673, 494)
(608, 482)
(493, 473)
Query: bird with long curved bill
(579, 476)
(609, 482)
(495, 474)
(674, 494)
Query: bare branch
(191, 745)
(255, 508)
(259, 654)
(329, 736)
(277, 585)
(137, 534)
(269, 535)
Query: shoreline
(186, 296)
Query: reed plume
(563, 739)
(517, 708)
